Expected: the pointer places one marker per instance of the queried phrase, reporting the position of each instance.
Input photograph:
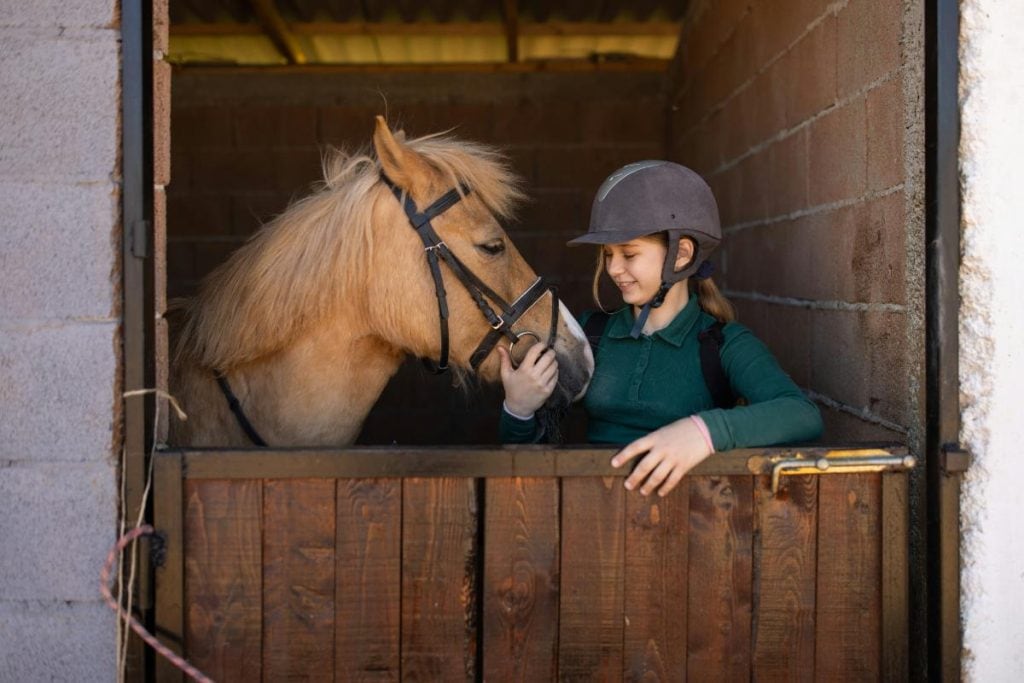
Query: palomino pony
(306, 322)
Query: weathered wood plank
(654, 646)
(593, 546)
(369, 580)
(895, 577)
(521, 570)
(223, 578)
(169, 576)
(298, 579)
(719, 598)
(785, 563)
(848, 631)
(439, 551)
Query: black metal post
(137, 282)
(942, 314)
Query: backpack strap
(594, 329)
(711, 340)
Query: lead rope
(149, 638)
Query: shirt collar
(621, 323)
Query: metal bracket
(954, 459)
(158, 548)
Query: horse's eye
(493, 248)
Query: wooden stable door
(532, 565)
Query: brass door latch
(832, 462)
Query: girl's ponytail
(713, 301)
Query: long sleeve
(513, 430)
(777, 411)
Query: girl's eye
(493, 248)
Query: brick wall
(805, 117)
(246, 142)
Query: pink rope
(115, 552)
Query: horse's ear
(400, 163)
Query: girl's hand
(529, 385)
(669, 453)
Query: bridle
(501, 322)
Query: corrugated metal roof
(265, 32)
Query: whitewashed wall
(59, 348)
(992, 337)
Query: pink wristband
(703, 431)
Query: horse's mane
(303, 264)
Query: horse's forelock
(297, 268)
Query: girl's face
(635, 268)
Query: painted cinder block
(838, 155)
(785, 179)
(868, 42)
(51, 640)
(58, 379)
(885, 135)
(778, 25)
(161, 122)
(161, 26)
(62, 13)
(160, 248)
(809, 73)
(861, 360)
(57, 250)
(44, 79)
(57, 522)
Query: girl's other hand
(668, 454)
(529, 385)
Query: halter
(437, 251)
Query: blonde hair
(710, 298)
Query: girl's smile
(635, 268)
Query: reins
(437, 251)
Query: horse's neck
(318, 391)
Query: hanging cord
(108, 566)
(139, 529)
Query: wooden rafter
(510, 15)
(467, 28)
(277, 30)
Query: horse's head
(403, 296)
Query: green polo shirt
(640, 385)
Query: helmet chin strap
(702, 272)
(658, 300)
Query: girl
(656, 222)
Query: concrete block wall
(59, 335)
(246, 143)
(806, 118)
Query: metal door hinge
(954, 459)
